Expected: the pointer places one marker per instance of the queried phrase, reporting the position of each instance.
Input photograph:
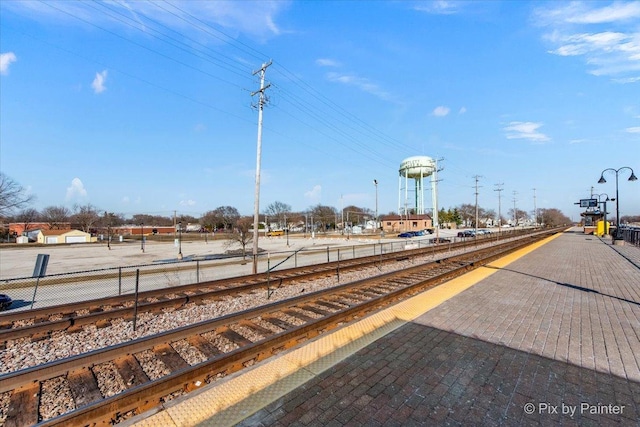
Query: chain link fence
(36, 292)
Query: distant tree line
(15, 207)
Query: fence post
(135, 306)
(268, 276)
(119, 280)
(34, 292)
(338, 267)
(198, 271)
(327, 254)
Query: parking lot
(19, 261)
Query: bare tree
(12, 195)
(221, 217)
(467, 213)
(85, 216)
(55, 216)
(26, 217)
(553, 217)
(279, 211)
(356, 215)
(323, 216)
(153, 220)
(241, 234)
(520, 215)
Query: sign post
(40, 270)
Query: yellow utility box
(602, 229)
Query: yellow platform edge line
(238, 396)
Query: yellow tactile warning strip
(236, 397)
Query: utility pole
(342, 213)
(499, 189)
(515, 211)
(434, 195)
(535, 210)
(375, 227)
(477, 177)
(256, 209)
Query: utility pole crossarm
(261, 90)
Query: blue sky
(146, 107)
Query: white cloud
(441, 111)
(613, 51)
(126, 200)
(525, 130)
(628, 80)
(325, 62)
(187, 202)
(635, 129)
(253, 18)
(359, 82)
(98, 82)
(314, 194)
(76, 190)
(462, 110)
(439, 7)
(611, 13)
(5, 60)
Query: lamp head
(602, 180)
(633, 177)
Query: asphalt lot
(16, 261)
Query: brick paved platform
(559, 327)
(552, 338)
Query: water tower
(417, 168)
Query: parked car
(439, 240)
(5, 302)
(466, 233)
(406, 234)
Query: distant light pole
(286, 229)
(602, 181)
(108, 230)
(605, 209)
(180, 240)
(375, 182)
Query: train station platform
(549, 335)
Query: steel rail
(120, 306)
(149, 394)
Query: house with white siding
(62, 236)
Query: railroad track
(113, 383)
(41, 323)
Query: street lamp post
(142, 237)
(632, 177)
(108, 230)
(286, 229)
(604, 203)
(375, 182)
(180, 240)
